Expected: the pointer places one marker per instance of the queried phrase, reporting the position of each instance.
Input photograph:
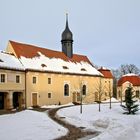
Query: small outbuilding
(126, 81)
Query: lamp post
(80, 95)
(81, 104)
(121, 95)
(110, 94)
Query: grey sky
(107, 31)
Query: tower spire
(67, 20)
(67, 40)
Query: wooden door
(74, 97)
(34, 99)
(78, 97)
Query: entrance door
(1, 100)
(34, 99)
(78, 97)
(15, 99)
(74, 97)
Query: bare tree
(125, 69)
(129, 68)
(109, 88)
(110, 95)
(99, 91)
(82, 95)
(116, 73)
(133, 69)
(122, 70)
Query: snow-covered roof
(36, 58)
(104, 68)
(43, 63)
(106, 72)
(131, 77)
(130, 74)
(9, 61)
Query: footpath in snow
(112, 123)
(33, 125)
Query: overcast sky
(107, 31)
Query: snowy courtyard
(32, 125)
(112, 123)
(29, 125)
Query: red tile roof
(30, 51)
(134, 79)
(106, 72)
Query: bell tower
(67, 40)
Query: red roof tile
(107, 73)
(135, 80)
(30, 51)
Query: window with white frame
(49, 81)
(49, 95)
(34, 80)
(84, 89)
(17, 78)
(2, 78)
(66, 90)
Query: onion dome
(67, 34)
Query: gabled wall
(121, 90)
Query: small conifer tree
(130, 107)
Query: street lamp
(110, 93)
(81, 104)
(121, 95)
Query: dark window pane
(17, 79)
(84, 89)
(49, 95)
(49, 80)
(66, 90)
(34, 80)
(2, 78)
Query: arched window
(84, 89)
(66, 90)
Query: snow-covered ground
(29, 125)
(33, 125)
(112, 123)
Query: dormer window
(43, 65)
(83, 69)
(1, 60)
(65, 67)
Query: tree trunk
(110, 100)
